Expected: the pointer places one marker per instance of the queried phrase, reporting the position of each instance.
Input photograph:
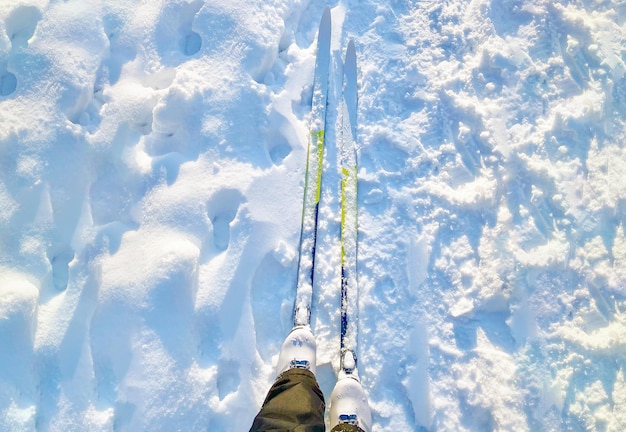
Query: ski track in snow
(151, 172)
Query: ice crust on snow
(151, 173)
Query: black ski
(349, 214)
(313, 179)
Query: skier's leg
(295, 401)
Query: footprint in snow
(8, 83)
(222, 210)
(20, 25)
(227, 378)
(60, 258)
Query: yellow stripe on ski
(320, 155)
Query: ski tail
(349, 214)
(313, 176)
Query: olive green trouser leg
(295, 403)
(346, 428)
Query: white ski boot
(348, 402)
(298, 350)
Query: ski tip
(323, 37)
(325, 23)
(351, 48)
(351, 53)
(325, 17)
(326, 11)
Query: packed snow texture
(152, 162)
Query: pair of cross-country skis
(348, 384)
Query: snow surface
(151, 172)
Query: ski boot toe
(298, 350)
(348, 402)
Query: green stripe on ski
(347, 177)
(319, 138)
(320, 155)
